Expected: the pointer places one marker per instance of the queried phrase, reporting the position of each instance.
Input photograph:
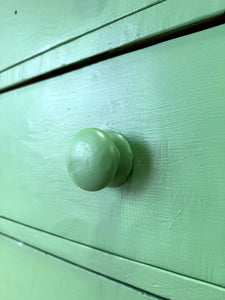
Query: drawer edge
(145, 277)
(53, 25)
(28, 273)
(153, 24)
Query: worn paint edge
(119, 37)
(141, 276)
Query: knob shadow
(141, 174)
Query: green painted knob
(96, 159)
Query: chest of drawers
(165, 226)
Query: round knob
(96, 159)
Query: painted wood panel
(168, 100)
(148, 278)
(31, 27)
(149, 24)
(27, 273)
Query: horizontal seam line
(81, 35)
(85, 268)
(111, 253)
(200, 25)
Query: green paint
(153, 280)
(125, 159)
(94, 159)
(39, 26)
(28, 274)
(168, 100)
(158, 20)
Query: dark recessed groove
(108, 252)
(86, 269)
(130, 47)
(83, 34)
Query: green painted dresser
(153, 71)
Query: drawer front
(33, 27)
(168, 100)
(29, 274)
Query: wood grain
(150, 279)
(159, 20)
(168, 100)
(27, 273)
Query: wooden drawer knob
(96, 159)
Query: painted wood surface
(168, 100)
(150, 279)
(31, 27)
(157, 21)
(27, 273)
